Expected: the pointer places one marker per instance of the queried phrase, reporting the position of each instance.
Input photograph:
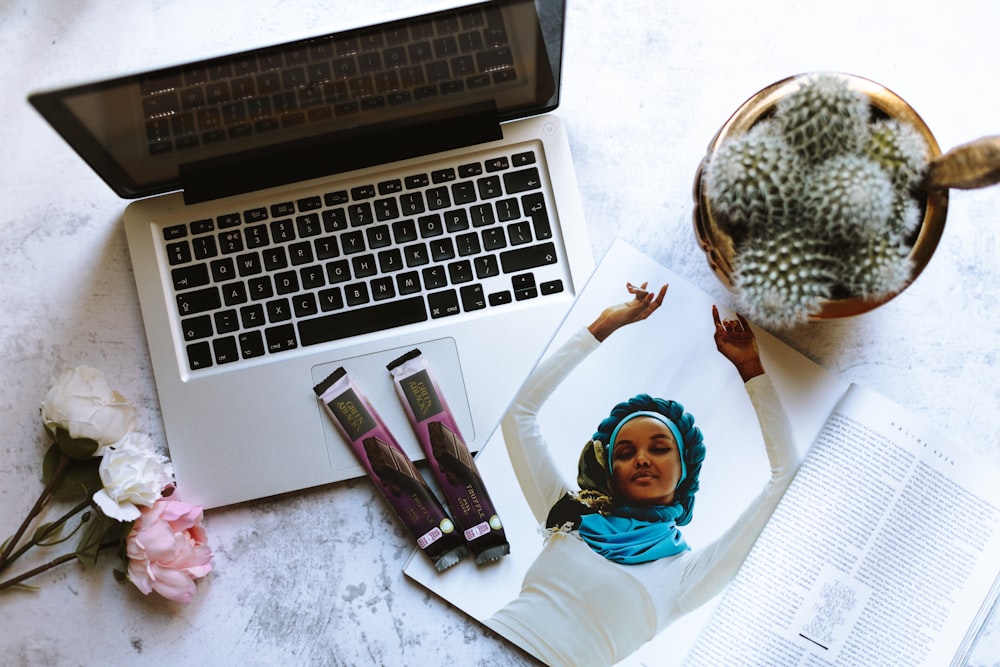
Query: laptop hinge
(335, 153)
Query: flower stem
(49, 530)
(36, 510)
(55, 562)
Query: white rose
(133, 473)
(82, 403)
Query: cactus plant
(782, 278)
(820, 200)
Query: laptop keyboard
(326, 78)
(374, 256)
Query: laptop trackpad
(373, 379)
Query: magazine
(851, 533)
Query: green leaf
(45, 532)
(81, 478)
(98, 531)
(79, 449)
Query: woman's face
(646, 463)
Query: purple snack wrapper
(449, 456)
(391, 470)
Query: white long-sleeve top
(575, 606)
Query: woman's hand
(639, 308)
(736, 342)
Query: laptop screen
(316, 106)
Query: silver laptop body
(339, 201)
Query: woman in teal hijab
(614, 569)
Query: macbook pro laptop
(337, 201)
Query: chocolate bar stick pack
(391, 469)
(449, 457)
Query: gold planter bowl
(717, 244)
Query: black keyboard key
(507, 209)
(489, 187)
(472, 297)
(174, 232)
(252, 316)
(331, 299)
(442, 249)
(281, 338)
(226, 350)
(223, 270)
(416, 181)
(551, 287)
(443, 304)
(228, 221)
(282, 230)
(312, 277)
(234, 293)
(198, 301)
(382, 289)
(486, 266)
(308, 225)
(470, 170)
(390, 187)
(248, 264)
(178, 253)
(309, 204)
(256, 236)
(360, 214)
(524, 286)
(226, 321)
(463, 192)
(411, 203)
(437, 198)
(255, 215)
(231, 241)
(251, 344)
(187, 277)
(494, 239)
(522, 180)
(378, 317)
(408, 283)
(274, 259)
(534, 207)
(260, 288)
(363, 192)
(434, 277)
(305, 305)
(482, 215)
(336, 198)
(286, 282)
(522, 159)
(278, 310)
(198, 327)
(386, 209)
(460, 272)
(497, 164)
(204, 247)
(500, 298)
(528, 257)
(443, 175)
(282, 209)
(519, 233)
(199, 355)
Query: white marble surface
(314, 579)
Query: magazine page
(883, 551)
(672, 355)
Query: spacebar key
(362, 320)
(528, 257)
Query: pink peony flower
(167, 550)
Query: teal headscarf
(637, 534)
